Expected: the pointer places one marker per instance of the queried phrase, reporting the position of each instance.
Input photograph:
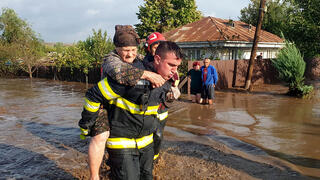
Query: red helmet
(153, 38)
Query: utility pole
(254, 46)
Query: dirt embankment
(183, 159)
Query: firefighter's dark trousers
(131, 164)
(158, 138)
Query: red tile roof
(216, 29)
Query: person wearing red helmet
(152, 43)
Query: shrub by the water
(291, 67)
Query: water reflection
(193, 117)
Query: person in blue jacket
(209, 77)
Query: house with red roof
(223, 39)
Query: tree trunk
(87, 81)
(254, 46)
(30, 71)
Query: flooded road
(261, 123)
(39, 137)
(39, 131)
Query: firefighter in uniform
(118, 65)
(133, 116)
(125, 73)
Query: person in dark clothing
(153, 41)
(196, 82)
(132, 115)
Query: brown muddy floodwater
(39, 136)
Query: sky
(69, 21)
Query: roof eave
(231, 44)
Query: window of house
(198, 54)
(234, 54)
(194, 54)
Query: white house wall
(228, 54)
(226, 49)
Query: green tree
(299, 20)
(291, 67)
(74, 57)
(304, 26)
(97, 46)
(29, 55)
(276, 16)
(58, 47)
(164, 15)
(7, 66)
(25, 46)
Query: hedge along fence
(68, 74)
(232, 73)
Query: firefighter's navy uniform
(158, 135)
(133, 113)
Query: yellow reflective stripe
(91, 106)
(163, 116)
(106, 90)
(134, 108)
(121, 143)
(144, 141)
(120, 102)
(155, 156)
(152, 110)
(84, 131)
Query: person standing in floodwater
(195, 76)
(209, 77)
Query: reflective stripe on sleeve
(91, 106)
(163, 116)
(106, 90)
(122, 143)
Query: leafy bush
(74, 57)
(291, 66)
(8, 68)
(85, 54)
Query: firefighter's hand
(155, 79)
(84, 133)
